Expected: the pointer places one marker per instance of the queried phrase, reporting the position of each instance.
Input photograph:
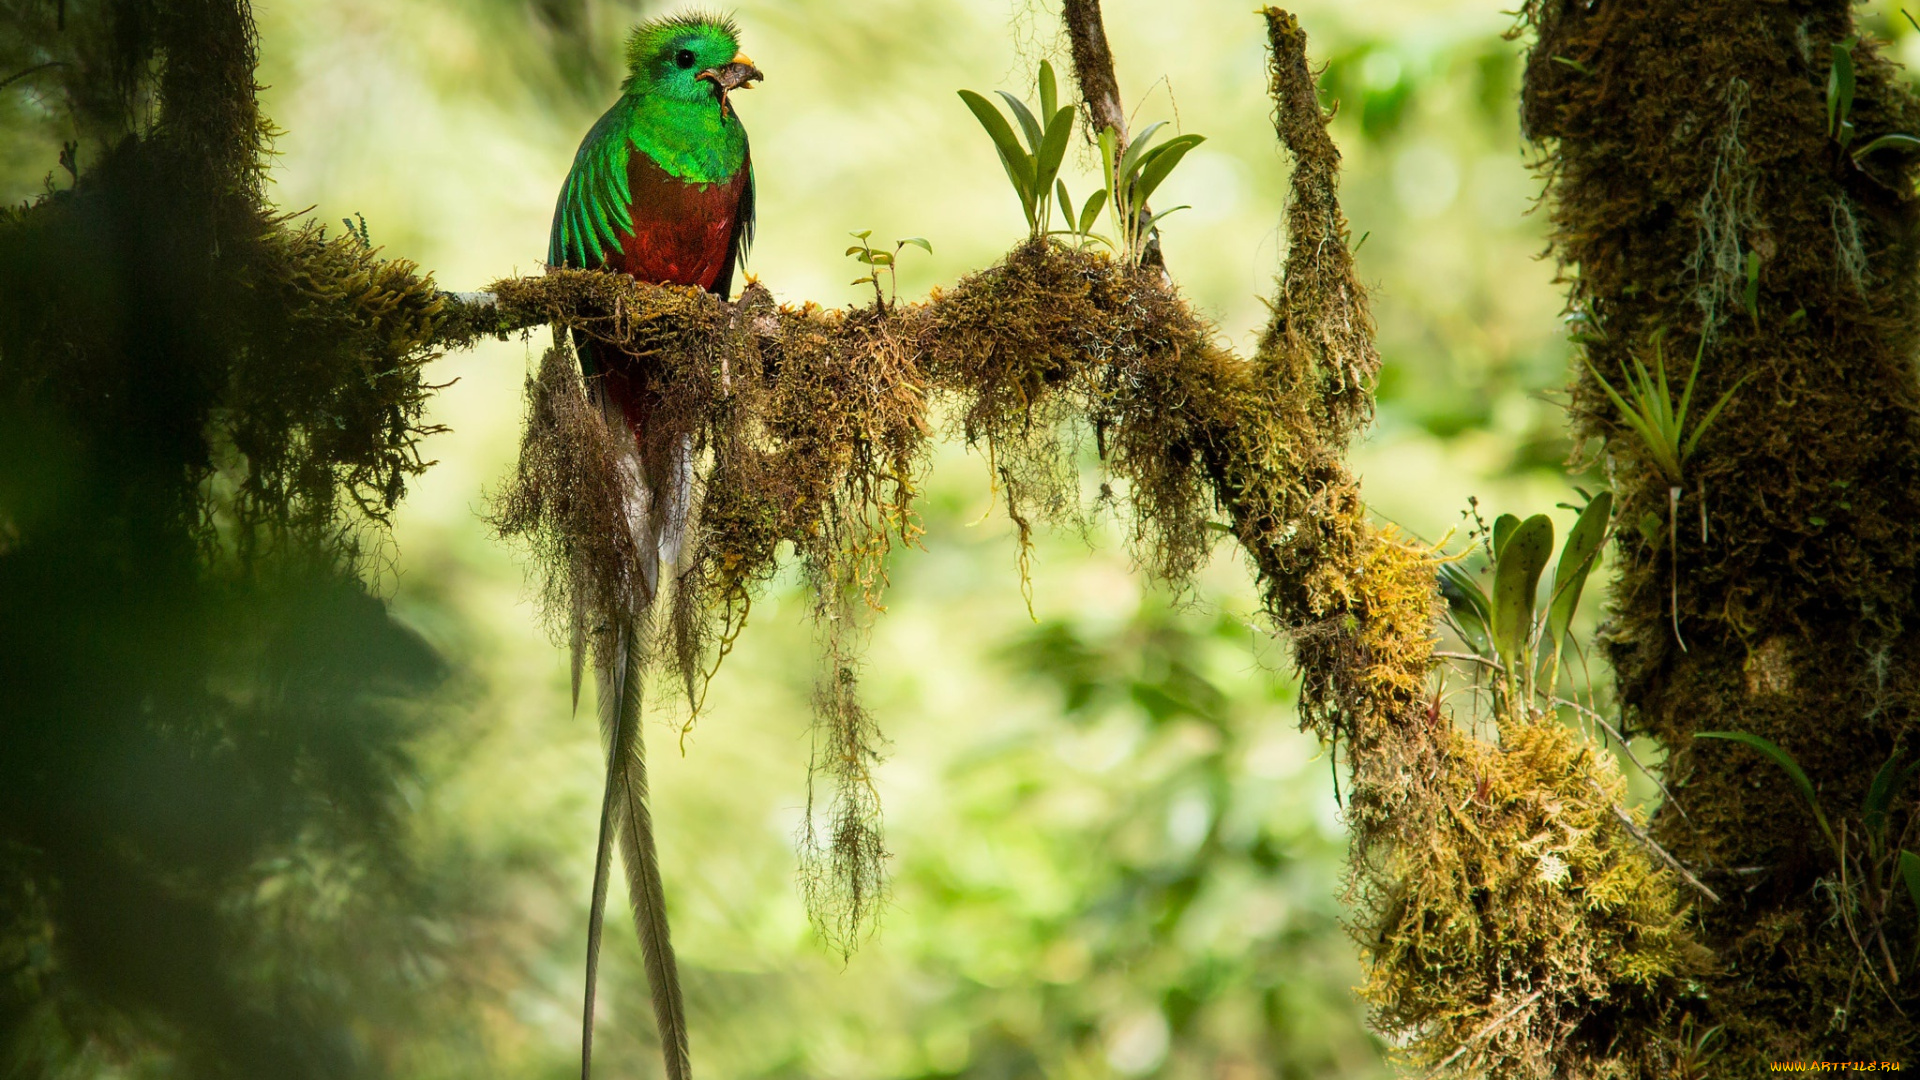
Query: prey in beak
(736, 74)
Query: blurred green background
(1113, 853)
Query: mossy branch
(811, 426)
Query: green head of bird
(688, 58)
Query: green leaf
(862, 234)
(1019, 166)
(1152, 220)
(1155, 167)
(1679, 414)
(1053, 149)
(868, 280)
(855, 250)
(919, 242)
(1788, 765)
(1066, 204)
(879, 258)
(1880, 795)
(1644, 421)
(1516, 577)
(1467, 604)
(1130, 161)
(1910, 873)
(1753, 284)
(1700, 428)
(1576, 561)
(1049, 90)
(1888, 142)
(1840, 87)
(1090, 213)
(1106, 139)
(1503, 527)
(1028, 125)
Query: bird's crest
(647, 37)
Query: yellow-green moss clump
(1505, 913)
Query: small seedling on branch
(876, 261)
(1133, 175)
(1032, 168)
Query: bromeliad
(661, 189)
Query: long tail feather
(624, 814)
(644, 886)
(577, 648)
(602, 864)
(656, 514)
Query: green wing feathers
(596, 205)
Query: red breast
(681, 230)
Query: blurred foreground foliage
(206, 416)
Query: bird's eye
(684, 58)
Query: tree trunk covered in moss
(1699, 192)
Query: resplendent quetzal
(661, 189)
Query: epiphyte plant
(876, 261)
(1866, 878)
(1840, 86)
(1840, 93)
(1505, 627)
(1132, 176)
(1649, 410)
(1129, 175)
(1032, 168)
(1080, 226)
